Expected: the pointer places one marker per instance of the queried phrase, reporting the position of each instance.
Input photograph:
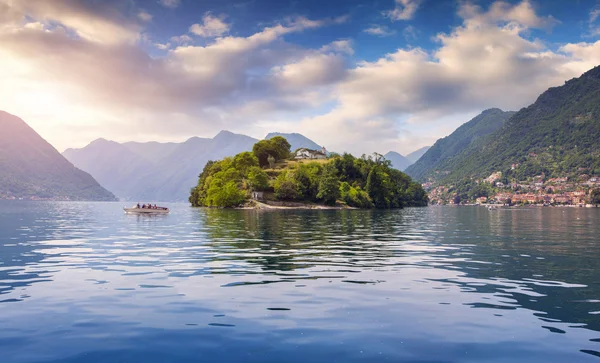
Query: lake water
(82, 282)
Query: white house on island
(305, 153)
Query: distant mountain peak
(398, 160)
(225, 132)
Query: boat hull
(145, 211)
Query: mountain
(149, 172)
(112, 164)
(176, 174)
(151, 150)
(296, 140)
(438, 159)
(398, 161)
(32, 168)
(416, 155)
(556, 136)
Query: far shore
(523, 205)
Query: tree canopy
(365, 182)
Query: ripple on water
(82, 282)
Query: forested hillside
(557, 136)
(440, 158)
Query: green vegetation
(271, 150)
(595, 196)
(556, 136)
(364, 182)
(441, 155)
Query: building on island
(305, 153)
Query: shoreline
(256, 205)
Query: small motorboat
(136, 209)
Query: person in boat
(138, 206)
(143, 206)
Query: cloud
(404, 10)
(522, 14)
(486, 62)
(61, 74)
(203, 87)
(145, 16)
(338, 46)
(380, 31)
(594, 29)
(594, 15)
(161, 46)
(110, 21)
(410, 33)
(211, 26)
(182, 39)
(170, 3)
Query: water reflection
(410, 285)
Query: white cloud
(404, 10)
(410, 33)
(170, 3)
(182, 39)
(162, 46)
(380, 31)
(484, 63)
(338, 46)
(211, 26)
(145, 16)
(522, 14)
(107, 85)
(594, 29)
(594, 15)
(103, 22)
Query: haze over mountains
(402, 162)
(162, 171)
(30, 168)
(556, 136)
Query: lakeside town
(580, 191)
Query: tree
(329, 185)
(376, 188)
(226, 195)
(261, 150)
(242, 162)
(281, 147)
(354, 197)
(258, 179)
(286, 187)
(456, 199)
(595, 196)
(277, 147)
(271, 161)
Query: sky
(356, 76)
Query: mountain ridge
(555, 136)
(162, 171)
(438, 157)
(34, 169)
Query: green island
(271, 175)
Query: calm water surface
(82, 282)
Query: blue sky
(360, 76)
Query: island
(272, 176)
